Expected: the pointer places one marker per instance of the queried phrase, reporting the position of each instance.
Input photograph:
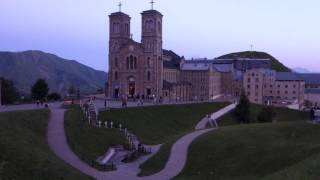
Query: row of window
(116, 27)
(278, 92)
(116, 75)
(132, 62)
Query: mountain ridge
(25, 67)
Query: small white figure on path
(111, 124)
(120, 126)
(99, 124)
(106, 124)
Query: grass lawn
(282, 115)
(89, 142)
(160, 125)
(24, 152)
(256, 151)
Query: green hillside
(276, 64)
(24, 151)
(24, 68)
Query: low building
(265, 86)
(312, 89)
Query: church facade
(135, 69)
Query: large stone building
(145, 70)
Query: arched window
(131, 62)
(116, 27)
(148, 76)
(127, 28)
(115, 75)
(128, 63)
(159, 26)
(135, 63)
(116, 62)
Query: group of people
(41, 103)
(212, 122)
(313, 114)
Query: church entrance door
(132, 87)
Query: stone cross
(99, 124)
(152, 2)
(120, 5)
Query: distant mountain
(276, 64)
(301, 70)
(24, 68)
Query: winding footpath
(177, 160)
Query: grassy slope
(275, 64)
(254, 152)
(24, 152)
(283, 114)
(86, 141)
(161, 125)
(158, 124)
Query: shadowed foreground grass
(287, 150)
(24, 152)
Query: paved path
(177, 159)
(202, 124)
(178, 156)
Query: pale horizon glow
(78, 29)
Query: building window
(116, 62)
(249, 79)
(257, 79)
(135, 63)
(286, 86)
(248, 86)
(294, 86)
(128, 63)
(257, 86)
(279, 86)
(127, 28)
(294, 92)
(286, 92)
(270, 92)
(116, 75)
(148, 76)
(131, 62)
(278, 92)
(271, 86)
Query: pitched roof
(195, 66)
(312, 78)
(288, 76)
(174, 62)
(224, 68)
(312, 91)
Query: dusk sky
(78, 29)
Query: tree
(242, 111)
(54, 97)
(39, 90)
(9, 93)
(267, 114)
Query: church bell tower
(152, 45)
